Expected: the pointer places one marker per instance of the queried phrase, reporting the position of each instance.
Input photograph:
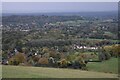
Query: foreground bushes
(114, 50)
(109, 51)
(17, 59)
(104, 56)
(63, 63)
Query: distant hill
(86, 14)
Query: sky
(59, 0)
(41, 7)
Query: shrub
(101, 56)
(79, 63)
(104, 56)
(79, 58)
(71, 57)
(43, 61)
(31, 62)
(21, 57)
(13, 61)
(45, 50)
(107, 55)
(17, 59)
(114, 50)
(76, 64)
(88, 56)
(35, 58)
(52, 53)
(51, 61)
(58, 56)
(63, 63)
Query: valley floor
(43, 72)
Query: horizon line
(59, 12)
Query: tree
(35, 58)
(45, 50)
(79, 63)
(63, 63)
(113, 50)
(43, 61)
(71, 57)
(51, 62)
(21, 57)
(52, 53)
(17, 59)
(116, 50)
(13, 61)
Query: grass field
(108, 66)
(42, 72)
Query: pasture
(108, 66)
(43, 72)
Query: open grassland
(108, 66)
(42, 72)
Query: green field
(108, 66)
(42, 72)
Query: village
(59, 39)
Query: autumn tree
(43, 61)
(17, 59)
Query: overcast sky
(40, 7)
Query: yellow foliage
(79, 58)
(115, 49)
(45, 50)
(108, 48)
(63, 63)
(18, 58)
(43, 61)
